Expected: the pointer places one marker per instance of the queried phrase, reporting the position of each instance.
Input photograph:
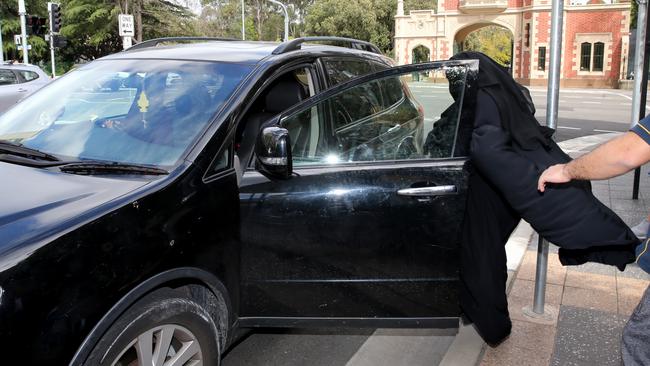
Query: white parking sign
(126, 25)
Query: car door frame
(458, 162)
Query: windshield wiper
(99, 167)
(12, 148)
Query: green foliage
(421, 54)
(492, 40)
(369, 20)
(11, 26)
(419, 5)
(92, 30)
(164, 18)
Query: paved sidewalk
(592, 302)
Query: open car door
(366, 228)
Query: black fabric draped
(509, 150)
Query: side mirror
(273, 153)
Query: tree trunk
(137, 14)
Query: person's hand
(553, 174)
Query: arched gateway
(595, 39)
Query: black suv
(156, 201)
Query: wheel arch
(174, 277)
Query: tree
(419, 5)
(369, 20)
(92, 30)
(492, 40)
(11, 26)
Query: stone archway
(420, 53)
(497, 41)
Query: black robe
(509, 150)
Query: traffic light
(55, 17)
(35, 25)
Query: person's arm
(613, 158)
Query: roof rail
(154, 42)
(294, 44)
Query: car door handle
(22, 90)
(428, 191)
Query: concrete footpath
(589, 304)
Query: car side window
(7, 77)
(340, 70)
(28, 75)
(387, 119)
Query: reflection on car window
(124, 110)
(394, 118)
(28, 75)
(342, 70)
(7, 77)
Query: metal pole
(640, 78)
(243, 21)
(2, 49)
(286, 19)
(23, 29)
(49, 10)
(52, 55)
(553, 96)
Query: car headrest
(283, 95)
(193, 101)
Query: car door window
(28, 75)
(389, 118)
(7, 77)
(340, 70)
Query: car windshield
(126, 111)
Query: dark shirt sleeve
(643, 129)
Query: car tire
(167, 320)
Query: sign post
(53, 10)
(538, 310)
(638, 111)
(127, 29)
(2, 50)
(23, 29)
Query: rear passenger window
(342, 70)
(28, 75)
(7, 77)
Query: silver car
(18, 81)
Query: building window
(599, 55)
(541, 60)
(585, 56)
(592, 56)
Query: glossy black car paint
(76, 251)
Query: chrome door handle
(428, 191)
(22, 90)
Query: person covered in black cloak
(509, 150)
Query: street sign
(127, 42)
(20, 48)
(18, 39)
(126, 25)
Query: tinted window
(7, 77)
(354, 126)
(342, 70)
(124, 110)
(28, 75)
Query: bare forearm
(614, 158)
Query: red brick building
(595, 36)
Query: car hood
(38, 204)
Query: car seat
(191, 114)
(284, 94)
